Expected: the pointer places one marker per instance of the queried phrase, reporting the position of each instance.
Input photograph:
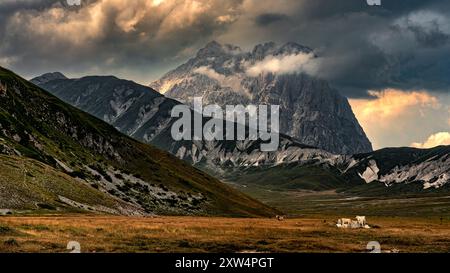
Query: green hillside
(79, 150)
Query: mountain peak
(211, 49)
(48, 77)
(292, 47)
(213, 44)
(262, 50)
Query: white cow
(361, 220)
(344, 222)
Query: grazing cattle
(280, 218)
(360, 222)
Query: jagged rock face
(392, 166)
(310, 110)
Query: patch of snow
(371, 173)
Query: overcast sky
(392, 62)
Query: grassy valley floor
(301, 203)
(201, 234)
(404, 223)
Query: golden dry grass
(196, 234)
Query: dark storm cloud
(431, 38)
(9, 7)
(402, 44)
(269, 18)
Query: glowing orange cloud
(397, 118)
(391, 103)
(156, 19)
(442, 138)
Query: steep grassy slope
(37, 125)
(30, 185)
(289, 177)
